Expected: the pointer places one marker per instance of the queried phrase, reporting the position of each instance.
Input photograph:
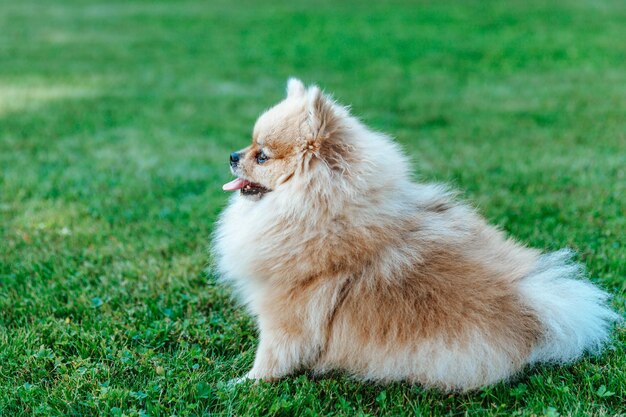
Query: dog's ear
(324, 114)
(295, 88)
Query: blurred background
(116, 121)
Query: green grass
(116, 119)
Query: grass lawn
(116, 119)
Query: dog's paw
(252, 377)
(248, 377)
(238, 381)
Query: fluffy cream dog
(348, 264)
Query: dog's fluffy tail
(573, 311)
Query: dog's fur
(347, 264)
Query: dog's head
(288, 140)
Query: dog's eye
(261, 157)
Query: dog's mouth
(246, 187)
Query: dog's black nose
(234, 158)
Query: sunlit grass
(29, 98)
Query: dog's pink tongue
(236, 184)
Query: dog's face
(281, 138)
(272, 157)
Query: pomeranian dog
(348, 264)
